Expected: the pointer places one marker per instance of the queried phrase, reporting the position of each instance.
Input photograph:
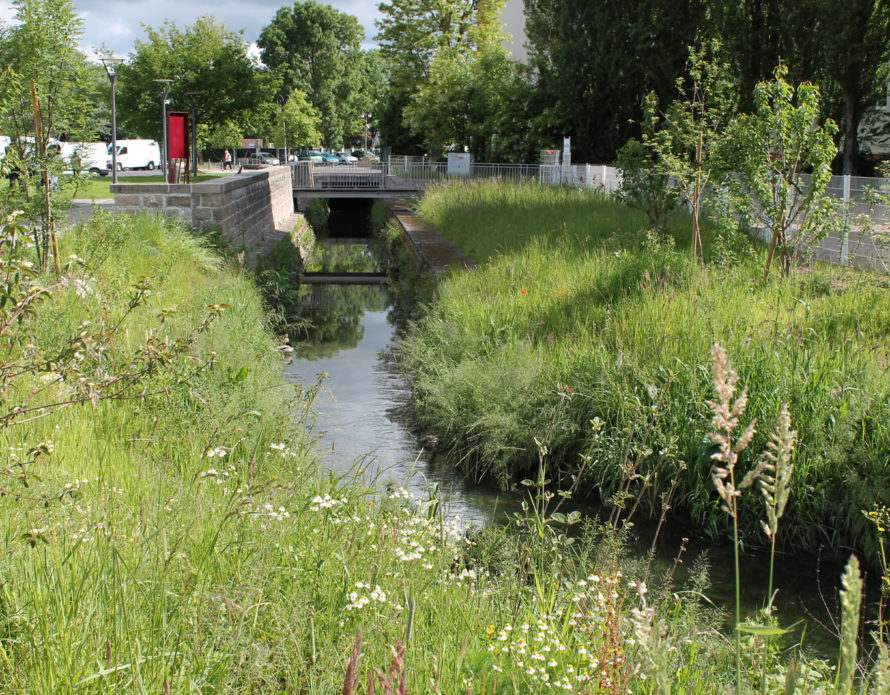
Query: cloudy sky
(118, 23)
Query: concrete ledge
(434, 250)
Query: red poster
(178, 134)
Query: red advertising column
(178, 140)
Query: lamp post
(366, 116)
(193, 96)
(165, 90)
(111, 67)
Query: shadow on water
(362, 428)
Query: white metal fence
(416, 173)
(863, 240)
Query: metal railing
(416, 173)
(858, 242)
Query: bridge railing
(417, 173)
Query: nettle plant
(88, 366)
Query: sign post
(178, 142)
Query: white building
(514, 26)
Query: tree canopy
(206, 58)
(316, 49)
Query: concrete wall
(246, 208)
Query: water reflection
(361, 427)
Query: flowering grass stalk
(725, 421)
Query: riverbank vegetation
(166, 529)
(584, 332)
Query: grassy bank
(166, 531)
(176, 537)
(576, 317)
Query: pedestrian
(227, 161)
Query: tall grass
(185, 542)
(573, 294)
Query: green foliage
(572, 293)
(596, 61)
(414, 32)
(226, 135)
(204, 57)
(461, 103)
(316, 49)
(296, 123)
(687, 143)
(436, 50)
(46, 93)
(644, 186)
(778, 144)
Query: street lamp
(165, 90)
(111, 68)
(193, 97)
(366, 116)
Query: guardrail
(415, 174)
(852, 245)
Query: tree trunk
(852, 115)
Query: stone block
(121, 200)
(179, 201)
(213, 200)
(202, 214)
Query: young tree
(780, 143)
(47, 94)
(316, 49)
(226, 135)
(296, 123)
(688, 142)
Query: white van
(136, 154)
(86, 156)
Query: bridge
(401, 177)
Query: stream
(363, 432)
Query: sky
(118, 23)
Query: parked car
(346, 158)
(309, 156)
(266, 158)
(365, 154)
(330, 158)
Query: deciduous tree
(296, 123)
(204, 57)
(596, 61)
(781, 142)
(412, 34)
(45, 93)
(316, 49)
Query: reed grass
(573, 293)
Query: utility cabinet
(460, 164)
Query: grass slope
(576, 317)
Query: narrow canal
(350, 335)
(363, 431)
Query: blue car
(330, 159)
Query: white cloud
(118, 23)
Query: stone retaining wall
(246, 207)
